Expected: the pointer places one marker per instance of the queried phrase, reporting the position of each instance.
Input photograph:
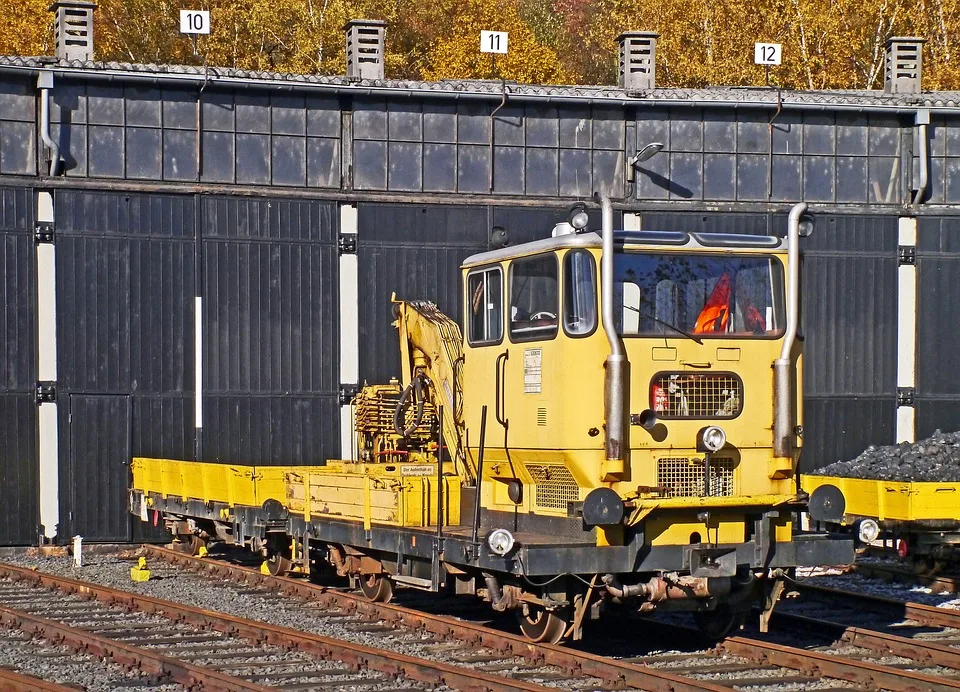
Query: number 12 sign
(493, 42)
(767, 53)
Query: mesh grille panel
(683, 477)
(685, 395)
(555, 485)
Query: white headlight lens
(500, 541)
(869, 531)
(714, 438)
(580, 220)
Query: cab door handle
(500, 403)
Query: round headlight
(500, 541)
(869, 531)
(714, 438)
(579, 220)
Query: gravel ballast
(934, 459)
(42, 659)
(183, 586)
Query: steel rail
(816, 663)
(568, 660)
(871, 675)
(918, 612)
(13, 681)
(84, 641)
(918, 650)
(352, 654)
(938, 583)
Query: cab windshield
(703, 295)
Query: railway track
(201, 649)
(13, 681)
(739, 662)
(924, 639)
(902, 574)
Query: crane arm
(431, 360)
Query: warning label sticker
(532, 370)
(416, 470)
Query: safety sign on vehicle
(532, 370)
(416, 470)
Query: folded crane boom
(431, 362)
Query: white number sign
(493, 42)
(767, 53)
(194, 22)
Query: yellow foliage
(27, 28)
(456, 53)
(827, 44)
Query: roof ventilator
(365, 48)
(73, 29)
(904, 64)
(638, 53)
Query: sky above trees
(827, 44)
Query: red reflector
(903, 548)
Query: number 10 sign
(194, 21)
(493, 42)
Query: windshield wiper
(665, 324)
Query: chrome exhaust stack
(617, 365)
(784, 427)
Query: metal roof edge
(723, 97)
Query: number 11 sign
(493, 42)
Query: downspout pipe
(783, 375)
(617, 367)
(921, 120)
(45, 84)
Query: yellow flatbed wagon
(383, 494)
(922, 516)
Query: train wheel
(376, 587)
(717, 624)
(541, 625)
(189, 544)
(278, 565)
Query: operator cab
(701, 318)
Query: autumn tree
(27, 28)
(455, 54)
(827, 44)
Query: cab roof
(634, 240)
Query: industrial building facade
(198, 263)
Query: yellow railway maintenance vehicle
(618, 425)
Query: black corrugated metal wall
(127, 274)
(125, 286)
(19, 464)
(416, 252)
(271, 344)
(938, 359)
(849, 323)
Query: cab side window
(533, 298)
(485, 306)
(579, 293)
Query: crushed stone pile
(937, 459)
